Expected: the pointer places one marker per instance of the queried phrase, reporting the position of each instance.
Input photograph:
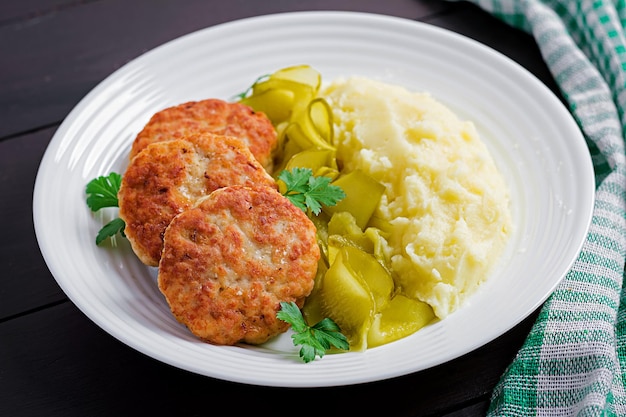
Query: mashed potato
(446, 203)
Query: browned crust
(168, 177)
(214, 116)
(228, 263)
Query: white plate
(535, 142)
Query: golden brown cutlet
(213, 116)
(228, 263)
(168, 177)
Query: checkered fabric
(572, 362)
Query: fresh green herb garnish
(102, 192)
(315, 340)
(110, 229)
(309, 192)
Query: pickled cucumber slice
(312, 309)
(289, 93)
(302, 74)
(363, 194)
(401, 317)
(352, 291)
(367, 268)
(276, 103)
(342, 231)
(343, 223)
(312, 127)
(346, 298)
(320, 161)
(321, 226)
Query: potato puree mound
(445, 201)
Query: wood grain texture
(26, 282)
(58, 57)
(58, 361)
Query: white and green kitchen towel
(572, 363)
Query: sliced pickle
(302, 120)
(335, 243)
(376, 277)
(285, 92)
(301, 82)
(303, 74)
(312, 309)
(302, 94)
(343, 223)
(401, 317)
(276, 103)
(321, 227)
(363, 194)
(316, 159)
(353, 289)
(312, 127)
(381, 246)
(379, 223)
(288, 149)
(321, 116)
(343, 231)
(346, 298)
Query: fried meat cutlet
(228, 263)
(168, 177)
(215, 116)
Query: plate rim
(48, 159)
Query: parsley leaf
(315, 340)
(102, 192)
(110, 229)
(306, 191)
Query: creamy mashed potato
(446, 204)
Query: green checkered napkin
(572, 362)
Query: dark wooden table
(56, 362)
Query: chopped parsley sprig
(101, 193)
(315, 340)
(309, 192)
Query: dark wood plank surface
(56, 362)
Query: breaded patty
(215, 116)
(168, 177)
(228, 263)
